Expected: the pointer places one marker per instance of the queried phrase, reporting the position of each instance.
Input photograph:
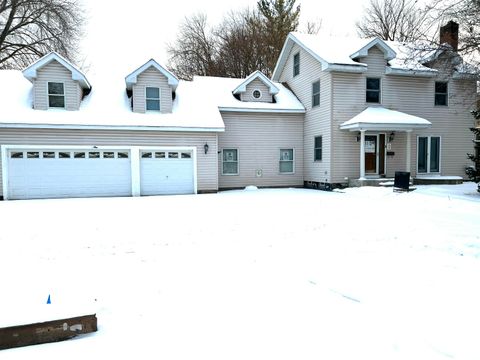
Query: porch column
(362, 154)
(409, 150)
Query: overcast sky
(145, 26)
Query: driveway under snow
(271, 274)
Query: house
(373, 109)
(335, 113)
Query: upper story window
(257, 94)
(441, 93)
(56, 95)
(152, 98)
(316, 93)
(373, 90)
(296, 64)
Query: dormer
(256, 88)
(57, 84)
(388, 52)
(152, 88)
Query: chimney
(449, 34)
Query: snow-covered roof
(221, 90)
(345, 54)
(132, 78)
(196, 107)
(380, 118)
(31, 71)
(272, 89)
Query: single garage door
(166, 172)
(46, 173)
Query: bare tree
(30, 29)
(195, 50)
(312, 27)
(396, 20)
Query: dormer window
(257, 94)
(296, 64)
(56, 95)
(152, 98)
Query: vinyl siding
(256, 85)
(259, 138)
(55, 72)
(318, 119)
(207, 174)
(411, 95)
(152, 78)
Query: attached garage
(57, 173)
(40, 172)
(167, 172)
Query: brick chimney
(449, 34)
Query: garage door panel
(67, 177)
(160, 176)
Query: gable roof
(132, 78)
(343, 53)
(31, 71)
(272, 89)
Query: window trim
(64, 96)
(293, 160)
(313, 94)
(379, 90)
(435, 93)
(238, 161)
(429, 141)
(159, 97)
(315, 149)
(253, 92)
(296, 67)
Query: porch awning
(381, 119)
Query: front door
(371, 154)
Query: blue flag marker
(48, 300)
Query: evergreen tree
(473, 172)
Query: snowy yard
(271, 274)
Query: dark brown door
(370, 154)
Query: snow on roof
(195, 108)
(340, 53)
(31, 71)
(380, 118)
(132, 78)
(221, 89)
(273, 90)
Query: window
(146, 155)
(317, 156)
(160, 155)
(173, 155)
(230, 162)
(296, 64)
(373, 90)
(152, 96)
(286, 161)
(49, 155)
(108, 155)
(79, 155)
(316, 93)
(64, 155)
(16, 155)
(122, 155)
(257, 94)
(56, 95)
(186, 155)
(94, 155)
(428, 157)
(33, 155)
(441, 93)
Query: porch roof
(379, 118)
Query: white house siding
(256, 85)
(259, 138)
(207, 167)
(56, 72)
(152, 78)
(317, 120)
(412, 95)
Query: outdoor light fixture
(205, 147)
(391, 136)
(358, 137)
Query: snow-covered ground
(270, 274)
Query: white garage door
(166, 172)
(44, 173)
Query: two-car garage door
(56, 173)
